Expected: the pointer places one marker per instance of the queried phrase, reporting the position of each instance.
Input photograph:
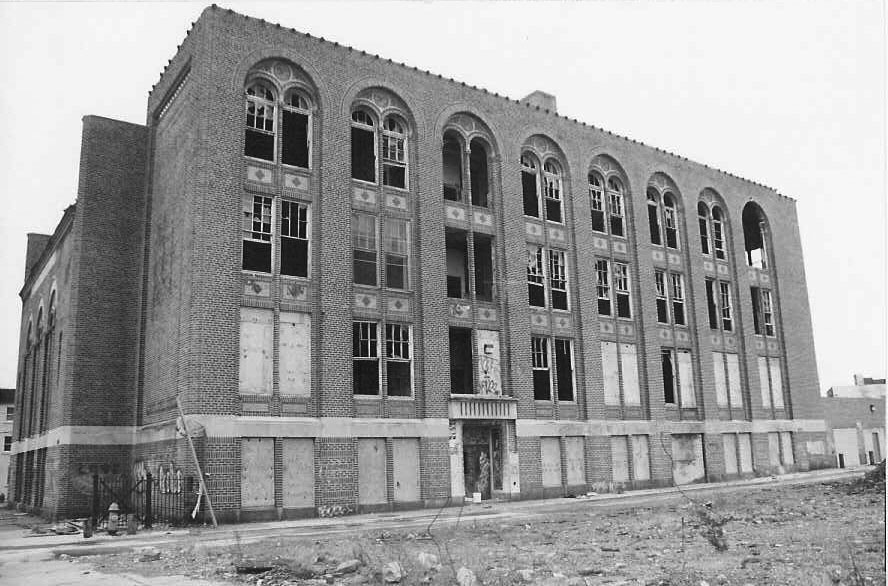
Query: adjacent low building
(855, 415)
(7, 414)
(371, 287)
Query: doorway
(482, 460)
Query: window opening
(654, 216)
(397, 364)
(602, 287)
(754, 236)
(564, 369)
(296, 131)
(596, 201)
(457, 264)
(365, 367)
(558, 279)
(257, 234)
(662, 301)
(703, 221)
(711, 305)
(364, 244)
(260, 132)
(552, 180)
(480, 183)
(621, 286)
(363, 146)
(725, 300)
(542, 382)
(397, 253)
(536, 277)
(666, 358)
(615, 199)
(294, 239)
(670, 221)
(461, 361)
(755, 294)
(529, 187)
(767, 312)
(451, 160)
(678, 311)
(483, 267)
(394, 153)
(718, 237)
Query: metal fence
(147, 499)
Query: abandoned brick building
(372, 287)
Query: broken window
(451, 172)
(670, 220)
(615, 199)
(483, 267)
(653, 203)
(457, 264)
(461, 361)
(596, 202)
(296, 130)
(536, 277)
(703, 221)
(294, 239)
(767, 313)
(397, 360)
(678, 311)
(394, 152)
(397, 253)
(363, 146)
(542, 380)
(365, 363)
(602, 287)
(754, 235)
(260, 131)
(662, 300)
(668, 376)
(686, 393)
(710, 304)
(364, 249)
(558, 279)
(480, 183)
(621, 287)
(724, 294)
(564, 369)
(755, 294)
(718, 236)
(530, 187)
(257, 234)
(552, 182)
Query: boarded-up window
(776, 383)
(763, 381)
(774, 448)
(576, 460)
(721, 390)
(371, 471)
(735, 393)
(687, 458)
(786, 448)
(729, 443)
(295, 353)
(641, 459)
(256, 341)
(686, 379)
(620, 458)
(745, 442)
(550, 455)
(405, 472)
(257, 472)
(629, 366)
(298, 472)
(611, 368)
(489, 381)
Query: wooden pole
(200, 476)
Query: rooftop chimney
(542, 100)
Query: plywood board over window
(371, 471)
(721, 389)
(257, 472)
(641, 459)
(550, 453)
(629, 366)
(687, 458)
(256, 341)
(611, 367)
(729, 444)
(295, 354)
(620, 458)
(745, 441)
(686, 379)
(298, 472)
(405, 463)
(576, 460)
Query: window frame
(725, 303)
(571, 365)
(405, 344)
(767, 304)
(654, 216)
(597, 192)
(558, 272)
(387, 241)
(264, 202)
(719, 248)
(306, 223)
(401, 142)
(371, 127)
(308, 111)
(625, 289)
(529, 167)
(703, 219)
(671, 214)
(553, 190)
(257, 101)
(677, 296)
(373, 354)
(603, 286)
(539, 353)
(536, 273)
(616, 202)
(365, 249)
(662, 297)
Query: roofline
(60, 230)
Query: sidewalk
(19, 540)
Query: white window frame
(603, 283)
(392, 248)
(725, 305)
(528, 165)
(676, 291)
(596, 199)
(536, 271)
(252, 100)
(394, 142)
(539, 353)
(718, 236)
(622, 285)
(660, 285)
(552, 190)
(616, 206)
(302, 108)
(395, 350)
(361, 242)
(767, 313)
(266, 202)
(671, 222)
(303, 229)
(373, 353)
(368, 124)
(558, 277)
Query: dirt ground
(825, 533)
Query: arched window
(596, 201)
(670, 220)
(480, 182)
(39, 324)
(718, 233)
(52, 310)
(616, 204)
(451, 172)
(653, 203)
(296, 130)
(29, 340)
(394, 152)
(260, 128)
(530, 186)
(755, 236)
(363, 146)
(552, 183)
(703, 221)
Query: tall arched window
(653, 203)
(703, 221)
(39, 324)
(29, 340)
(480, 181)
(451, 172)
(718, 233)
(363, 146)
(530, 186)
(394, 152)
(260, 127)
(596, 201)
(296, 129)
(755, 236)
(670, 220)
(616, 204)
(552, 183)
(52, 309)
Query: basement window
(552, 182)
(530, 187)
(294, 239)
(483, 267)
(364, 249)
(602, 287)
(397, 247)
(461, 361)
(365, 362)
(564, 369)
(536, 277)
(480, 182)
(257, 234)
(615, 199)
(542, 378)
(662, 300)
(596, 202)
(398, 362)
(296, 130)
(259, 140)
(394, 153)
(678, 311)
(558, 279)
(451, 160)
(457, 264)
(363, 146)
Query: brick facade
(152, 299)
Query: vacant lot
(825, 533)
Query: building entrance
(482, 460)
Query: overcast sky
(789, 94)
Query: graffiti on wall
(82, 476)
(489, 363)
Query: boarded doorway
(257, 472)
(482, 459)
